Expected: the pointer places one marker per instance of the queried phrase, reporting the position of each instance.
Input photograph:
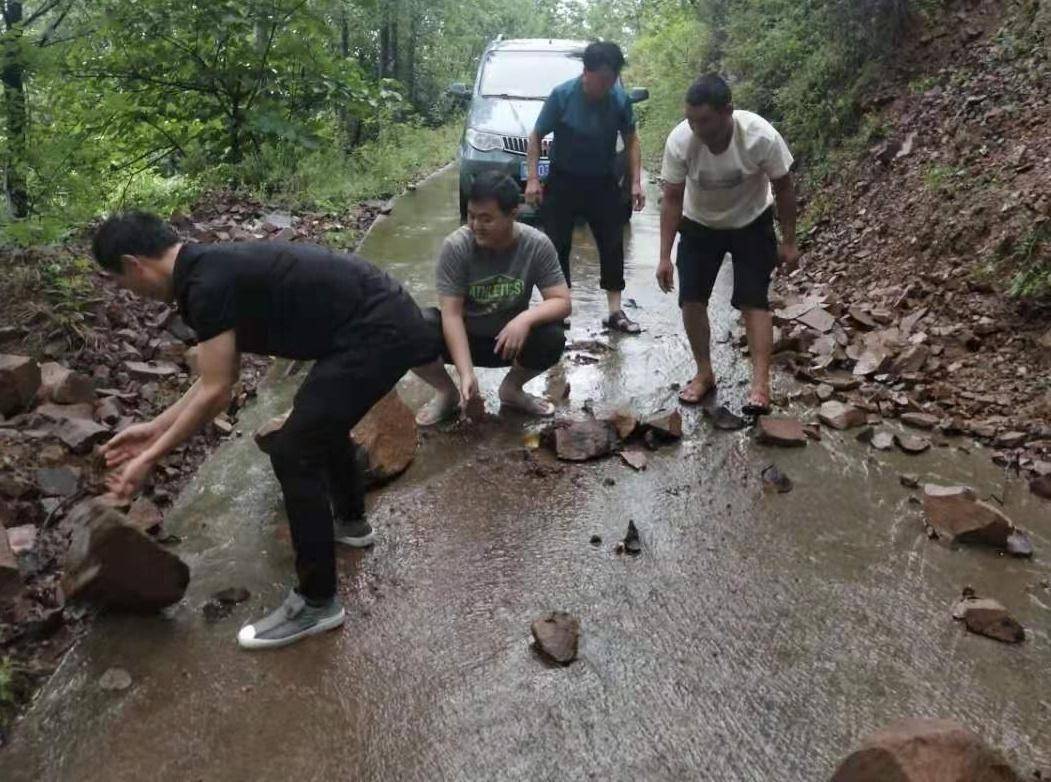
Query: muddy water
(756, 638)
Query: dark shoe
(356, 533)
(618, 321)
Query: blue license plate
(543, 169)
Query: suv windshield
(528, 74)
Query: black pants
(543, 348)
(753, 249)
(312, 454)
(598, 200)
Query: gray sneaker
(356, 533)
(292, 620)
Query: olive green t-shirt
(496, 286)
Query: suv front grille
(519, 145)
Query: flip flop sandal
(754, 407)
(710, 389)
(618, 321)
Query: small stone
(115, 679)
(10, 577)
(839, 415)
(1041, 486)
(1019, 544)
(583, 440)
(557, 636)
(1011, 439)
(912, 444)
(882, 441)
(108, 411)
(63, 386)
(57, 481)
(19, 381)
(609, 482)
(151, 370)
(987, 617)
(724, 420)
(775, 480)
(632, 543)
(596, 540)
(79, 435)
(624, 422)
(666, 424)
(825, 392)
(22, 539)
(909, 481)
(782, 432)
(865, 435)
(813, 431)
(15, 487)
(919, 420)
(634, 459)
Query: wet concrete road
(757, 637)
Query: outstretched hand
(129, 443)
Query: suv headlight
(483, 140)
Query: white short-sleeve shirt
(731, 189)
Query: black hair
(709, 90)
(603, 54)
(131, 233)
(496, 186)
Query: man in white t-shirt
(723, 172)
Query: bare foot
(697, 389)
(442, 407)
(519, 400)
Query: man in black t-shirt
(295, 301)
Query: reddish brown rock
(63, 386)
(635, 459)
(839, 415)
(910, 360)
(624, 422)
(389, 437)
(955, 512)
(921, 750)
(665, 424)
(113, 564)
(19, 381)
(557, 636)
(987, 617)
(872, 361)
(784, 432)
(583, 440)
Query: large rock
(58, 481)
(785, 432)
(840, 415)
(919, 420)
(389, 438)
(921, 750)
(557, 635)
(113, 564)
(19, 381)
(955, 512)
(583, 440)
(63, 386)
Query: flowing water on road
(757, 637)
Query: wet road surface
(757, 637)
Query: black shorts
(754, 253)
(542, 350)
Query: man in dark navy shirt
(586, 115)
(296, 301)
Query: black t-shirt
(297, 301)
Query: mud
(757, 635)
